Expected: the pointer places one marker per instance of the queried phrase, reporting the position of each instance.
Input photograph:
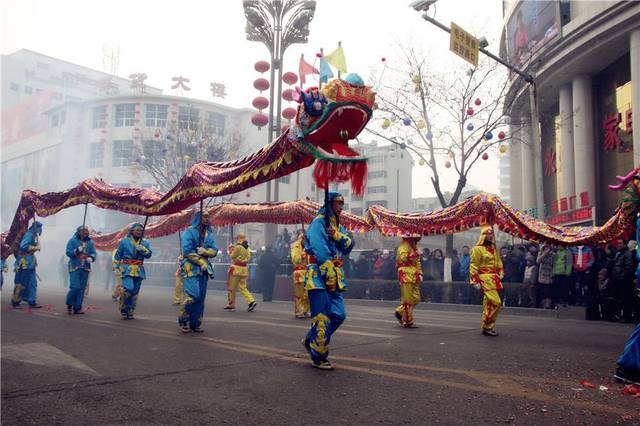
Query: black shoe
(34, 306)
(412, 325)
(398, 317)
(69, 311)
(184, 329)
(491, 333)
(322, 365)
(307, 346)
(80, 312)
(198, 330)
(130, 316)
(627, 376)
(251, 306)
(229, 309)
(15, 305)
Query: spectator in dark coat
(436, 262)
(363, 268)
(267, 269)
(624, 268)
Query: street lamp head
(483, 42)
(254, 18)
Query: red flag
(305, 68)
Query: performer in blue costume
(132, 251)
(628, 370)
(82, 254)
(198, 247)
(326, 246)
(25, 267)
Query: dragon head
(630, 184)
(327, 118)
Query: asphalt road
(249, 368)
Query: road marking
(43, 354)
(492, 383)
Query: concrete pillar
(583, 134)
(567, 163)
(515, 167)
(634, 44)
(528, 178)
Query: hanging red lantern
(259, 120)
(262, 66)
(469, 111)
(260, 102)
(501, 135)
(485, 156)
(478, 101)
(287, 95)
(290, 78)
(261, 84)
(289, 113)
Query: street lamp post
(277, 24)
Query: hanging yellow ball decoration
(416, 79)
(422, 162)
(186, 158)
(386, 123)
(421, 124)
(502, 149)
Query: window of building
(346, 207)
(38, 91)
(376, 159)
(355, 197)
(154, 151)
(285, 179)
(28, 90)
(55, 120)
(377, 174)
(57, 96)
(122, 153)
(377, 190)
(99, 119)
(216, 123)
(14, 86)
(63, 117)
(125, 115)
(382, 203)
(96, 154)
(188, 118)
(357, 211)
(156, 115)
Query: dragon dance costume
(299, 259)
(130, 256)
(325, 281)
(239, 275)
(485, 273)
(82, 254)
(25, 267)
(198, 247)
(410, 277)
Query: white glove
(201, 251)
(477, 286)
(141, 248)
(90, 259)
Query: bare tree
(452, 119)
(166, 155)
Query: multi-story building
(585, 58)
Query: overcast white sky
(205, 41)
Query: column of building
(634, 44)
(528, 168)
(567, 163)
(583, 134)
(515, 166)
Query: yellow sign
(464, 45)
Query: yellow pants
(117, 292)
(490, 308)
(178, 291)
(301, 299)
(233, 284)
(410, 297)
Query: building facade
(585, 58)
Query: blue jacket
(191, 262)
(465, 259)
(28, 246)
(78, 259)
(127, 255)
(326, 272)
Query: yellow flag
(336, 58)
